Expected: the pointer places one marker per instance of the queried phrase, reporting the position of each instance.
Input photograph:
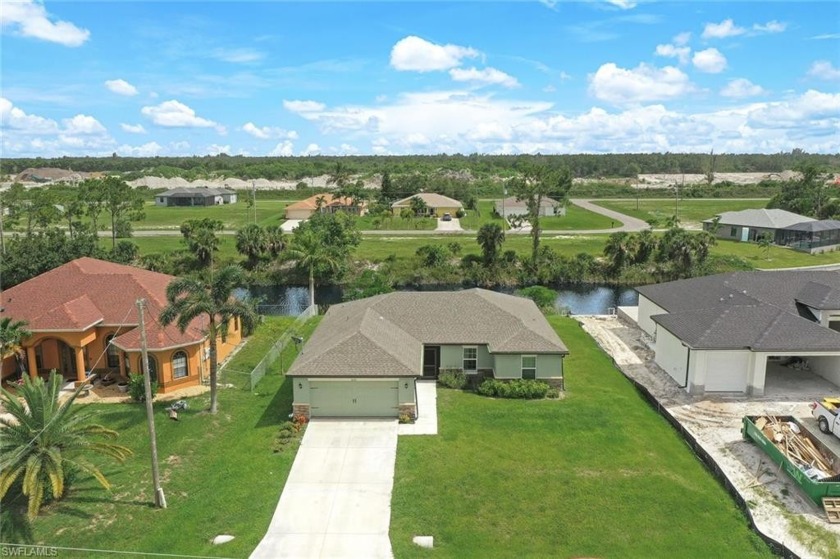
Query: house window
(733, 231)
(153, 369)
(529, 366)
(179, 365)
(470, 358)
(112, 353)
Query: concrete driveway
(453, 225)
(337, 499)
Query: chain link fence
(276, 350)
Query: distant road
(629, 223)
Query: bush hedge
(519, 388)
(452, 378)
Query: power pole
(160, 498)
(254, 199)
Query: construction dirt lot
(779, 507)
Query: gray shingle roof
(514, 202)
(749, 309)
(384, 335)
(768, 219)
(815, 226)
(194, 191)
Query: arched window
(112, 353)
(153, 368)
(179, 365)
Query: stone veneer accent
(301, 409)
(409, 410)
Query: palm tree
(43, 441)
(308, 250)
(251, 241)
(490, 237)
(340, 176)
(617, 250)
(12, 333)
(190, 298)
(275, 241)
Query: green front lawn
(598, 474)
(234, 216)
(219, 473)
(691, 211)
(575, 219)
(778, 257)
(395, 223)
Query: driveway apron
(337, 500)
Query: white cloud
(549, 89)
(133, 128)
(311, 149)
(415, 54)
(725, 28)
(238, 55)
(824, 70)
(15, 118)
(710, 61)
(283, 149)
(770, 27)
(826, 37)
(485, 76)
(641, 84)
(83, 124)
(682, 39)
(30, 19)
(121, 87)
(623, 4)
(303, 106)
(672, 51)
(740, 88)
(268, 132)
(174, 114)
(149, 149)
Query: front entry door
(431, 361)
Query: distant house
(436, 204)
(83, 318)
(365, 355)
(811, 236)
(325, 203)
(513, 207)
(749, 225)
(201, 196)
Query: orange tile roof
(87, 291)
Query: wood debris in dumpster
(796, 446)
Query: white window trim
(186, 365)
(522, 365)
(464, 359)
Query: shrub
(137, 388)
(460, 213)
(542, 296)
(405, 418)
(452, 378)
(519, 388)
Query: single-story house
(514, 207)
(325, 203)
(199, 196)
(811, 236)
(83, 317)
(436, 204)
(732, 332)
(365, 355)
(749, 225)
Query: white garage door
(354, 398)
(727, 371)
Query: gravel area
(780, 509)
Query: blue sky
(285, 78)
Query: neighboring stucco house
(365, 355)
(325, 203)
(195, 197)
(436, 204)
(749, 225)
(513, 207)
(733, 332)
(83, 317)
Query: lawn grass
(777, 257)
(219, 473)
(598, 474)
(576, 218)
(234, 216)
(691, 211)
(395, 223)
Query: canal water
(576, 299)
